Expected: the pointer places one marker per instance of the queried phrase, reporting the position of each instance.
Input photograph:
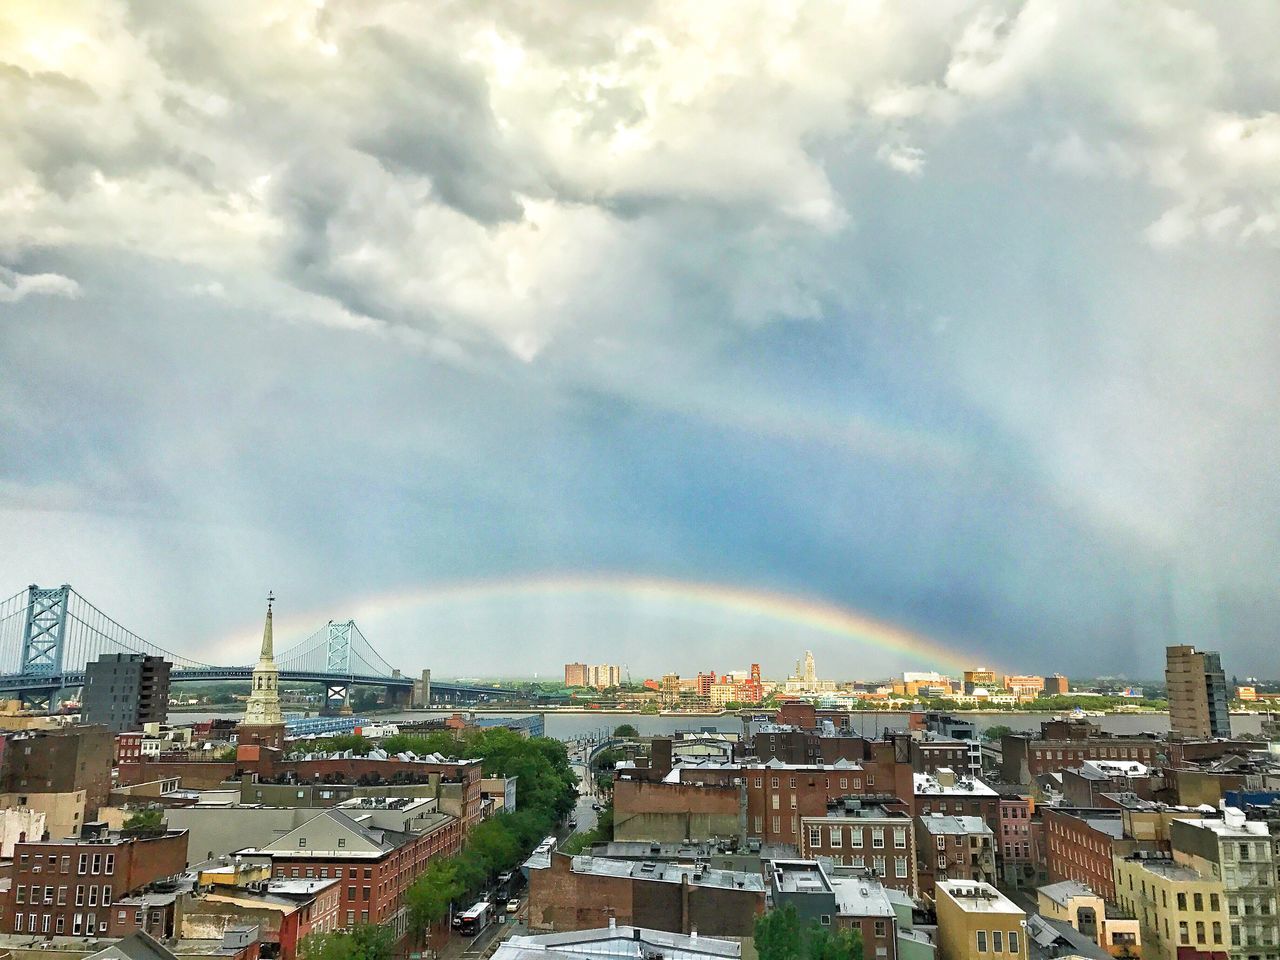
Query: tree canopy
(780, 934)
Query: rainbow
(797, 611)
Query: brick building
(285, 912)
(950, 794)
(1063, 744)
(72, 887)
(583, 892)
(872, 836)
(1016, 842)
(953, 848)
(375, 865)
(1080, 845)
(64, 773)
(787, 744)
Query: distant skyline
(896, 332)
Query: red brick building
(70, 887)
(1069, 743)
(375, 866)
(877, 837)
(1080, 844)
(68, 760)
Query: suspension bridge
(49, 634)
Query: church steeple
(263, 708)
(267, 653)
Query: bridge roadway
(440, 691)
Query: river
(571, 726)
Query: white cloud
(15, 287)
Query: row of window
(323, 872)
(86, 863)
(81, 923)
(878, 865)
(845, 782)
(997, 940)
(39, 894)
(856, 837)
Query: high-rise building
(122, 691)
(263, 722)
(575, 674)
(1197, 693)
(979, 677)
(1025, 686)
(1056, 685)
(602, 676)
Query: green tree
(626, 730)
(996, 731)
(358, 745)
(145, 820)
(429, 898)
(781, 935)
(366, 941)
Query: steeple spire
(267, 653)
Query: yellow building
(1075, 904)
(1175, 905)
(977, 920)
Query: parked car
(513, 906)
(596, 807)
(573, 824)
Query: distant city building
(122, 691)
(1025, 687)
(1056, 685)
(980, 678)
(805, 679)
(1246, 693)
(1197, 693)
(600, 676)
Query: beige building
(1175, 905)
(1075, 904)
(977, 920)
(62, 813)
(1197, 693)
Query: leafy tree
(429, 898)
(650, 708)
(996, 732)
(145, 820)
(626, 730)
(781, 935)
(358, 745)
(366, 941)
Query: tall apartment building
(604, 675)
(64, 774)
(1197, 693)
(575, 674)
(980, 677)
(123, 691)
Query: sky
(682, 335)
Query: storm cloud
(961, 315)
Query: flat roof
(975, 897)
(1061, 893)
(799, 876)
(964, 786)
(668, 873)
(942, 824)
(858, 897)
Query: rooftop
(974, 897)
(616, 943)
(1233, 826)
(926, 783)
(799, 876)
(858, 897)
(1062, 893)
(696, 875)
(1166, 868)
(937, 823)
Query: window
(815, 836)
(844, 783)
(774, 782)
(1200, 930)
(793, 783)
(60, 924)
(62, 896)
(110, 866)
(83, 865)
(302, 842)
(777, 824)
(1215, 905)
(793, 801)
(1013, 942)
(942, 860)
(351, 893)
(1182, 897)
(837, 836)
(899, 838)
(364, 916)
(881, 929)
(77, 924)
(942, 843)
(342, 842)
(877, 838)
(982, 941)
(80, 895)
(825, 919)
(1198, 900)
(1184, 936)
(106, 896)
(97, 863)
(17, 922)
(93, 895)
(351, 918)
(759, 824)
(877, 866)
(997, 941)
(1217, 932)
(900, 867)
